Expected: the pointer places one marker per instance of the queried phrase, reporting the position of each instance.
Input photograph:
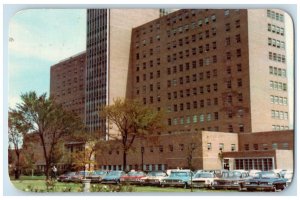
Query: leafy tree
(132, 120)
(16, 131)
(49, 120)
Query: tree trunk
(124, 160)
(17, 175)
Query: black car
(267, 180)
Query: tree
(86, 156)
(49, 120)
(16, 131)
(132, 120)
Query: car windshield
(83, 172)
(181, 174)
(204, 175)
(114, 173)
(71, 173)
(266, 175)
(156, 174)
(232, 174)
(100, 172)
(135, 173)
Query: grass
(38, 184)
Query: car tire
(274, 189)
(162, 185)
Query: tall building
(107, 54)
(67, 83)
(215, 70)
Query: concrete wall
(284, 159)
(259, 71)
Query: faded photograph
(151, 100)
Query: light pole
(142, 152)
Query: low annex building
(209, 150)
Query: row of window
(277, 71)
(275, 15)
(263, 164)
(275, 29)
(279, 115)
(203, 48)
(207, 61)
(279, 100)
(279, 127)
(151, 76)
(277, 57)
(194, 119)
(193, 105)
(276, 43)
(265, 146)
(274, 85)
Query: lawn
(38, 184)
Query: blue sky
(40, 38)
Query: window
(213, 18)
(255, 147)
(171, 148)
(274, 146)
(161, 149)
(227, 27)
(221, 146)
(239, 83)
(208, 146)
(237, 24)
(246, 147)
(285, 145)
(181, 147)
(233, 147)
(226, 12)
(238, 53)
(265, 146)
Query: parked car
(178, 178)
(267, 180)
(203, 179)
(132, 177)
(66, 177)
(79, 176)
(289, 176)
(112, 177)
(234, 179)
(96, 176)
(252, 172)
(153, 178)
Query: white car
(289, 176)
(203, 179)
(153, 178)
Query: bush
(111, 188)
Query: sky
(38, 39)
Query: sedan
(178, 178)
(96, 176)
(66, 177)
(132, 177)
(267, 180)
(153, 178)
(231, 180)
(113, 177)
(203, 179)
